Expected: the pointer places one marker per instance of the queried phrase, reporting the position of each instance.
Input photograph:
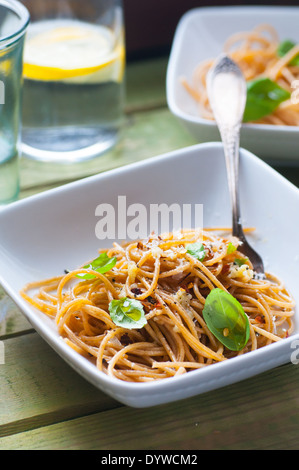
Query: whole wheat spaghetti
(256, 54)
(172, 286)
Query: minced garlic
(242, 273)
(184, 298)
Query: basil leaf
(231, 248)
(263, 97)
(127, 313)
(197, 250)
(101, 264)
(240, 261)
(226, 319)
(284, 47)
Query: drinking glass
(14, 19)
(74, 64)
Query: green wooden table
(44, 404)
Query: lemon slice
(72, 52)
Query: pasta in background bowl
(201, 36)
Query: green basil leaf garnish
(226, 319)
(127, 313)
(240, 261)
(284, 47)
(231, 248)
(197, 250)
(263, 97)
(101, 264)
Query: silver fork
(226, 88)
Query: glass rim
(21, 11)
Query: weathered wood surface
(44, 404)
(260, 413)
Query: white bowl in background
(44, 234)
(200, 35)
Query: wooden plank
(38, 388)
(260, 413)
(146, 84)
(11, 319)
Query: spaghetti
(172, 286)
(256, 54)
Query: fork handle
(231, 139)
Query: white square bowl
(44, 234)
(200, 35)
